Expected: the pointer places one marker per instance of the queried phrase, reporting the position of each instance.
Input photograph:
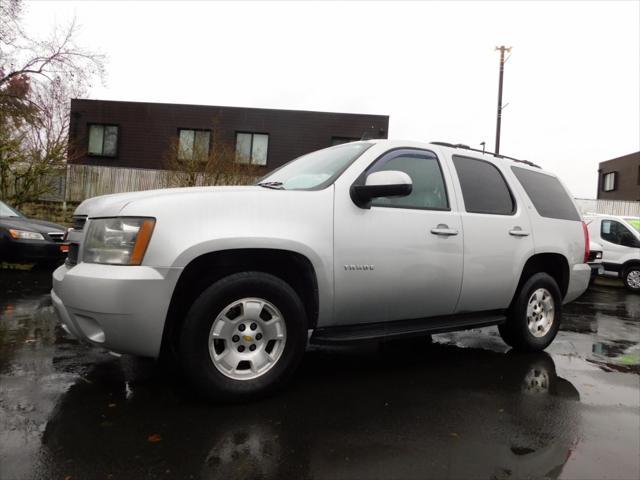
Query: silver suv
(361, 241)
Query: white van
(620, 242)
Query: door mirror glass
(387, 183)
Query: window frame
(194, 130)
(266, 162)
(103, 125)
(614, 183)
(514, 202)
(395, 152)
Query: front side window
(316, 169)
(609, 182)
(428, 189)
(252, 148)
(547, 194)
(616, 232)
(484, 189)
(193, 144)
(103, 140)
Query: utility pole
(502, 49)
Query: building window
(609, 182)
(103, 140)
(252, 148)
(193, 144)
(341, 140)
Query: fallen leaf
(154, 438)
(454, 434)
(112, 405)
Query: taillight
(585, 230)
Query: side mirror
(388, 183)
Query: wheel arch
(554, 264)
(292, 267)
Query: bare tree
(37, 79)
(207, 163)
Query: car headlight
(599, 255)
(117, 241)
(24, 235)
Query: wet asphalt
(460, 406)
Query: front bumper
(579, 278)
(596, 269)
(121, 308)
(29, 251)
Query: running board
(405, 328)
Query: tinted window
(615, 232)
(428, 190)
(483, 187)
(547, 194)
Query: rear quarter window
(484, 189)
(549, 197)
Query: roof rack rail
(497, 155)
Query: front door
(402, 258)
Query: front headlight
(117, 241)
(24, 235)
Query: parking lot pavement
(462, 406)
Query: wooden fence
(609, 207)
(85, 181)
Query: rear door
(497, 235)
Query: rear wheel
(243, 337)
(534, 317)
(631, 278)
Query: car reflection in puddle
(407, 412)
(460, 407)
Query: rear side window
(547, 194)
(484, 189)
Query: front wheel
(243, 337)
(631, 278)
(534, 317)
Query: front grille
(78, 221)
(56, 236)
(72, 256)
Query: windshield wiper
(272, 185)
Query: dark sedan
(26, 240)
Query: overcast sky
(572, 83)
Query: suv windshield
(315, 170)
(7, 211)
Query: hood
(112, 205)
(29, 224)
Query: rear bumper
(579, 277)
(120, 308)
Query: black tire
(515, 331)
(194, 344)
(626, 278)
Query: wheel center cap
(247, 338)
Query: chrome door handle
(444, 230)
(518, 232)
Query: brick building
(139, 135)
